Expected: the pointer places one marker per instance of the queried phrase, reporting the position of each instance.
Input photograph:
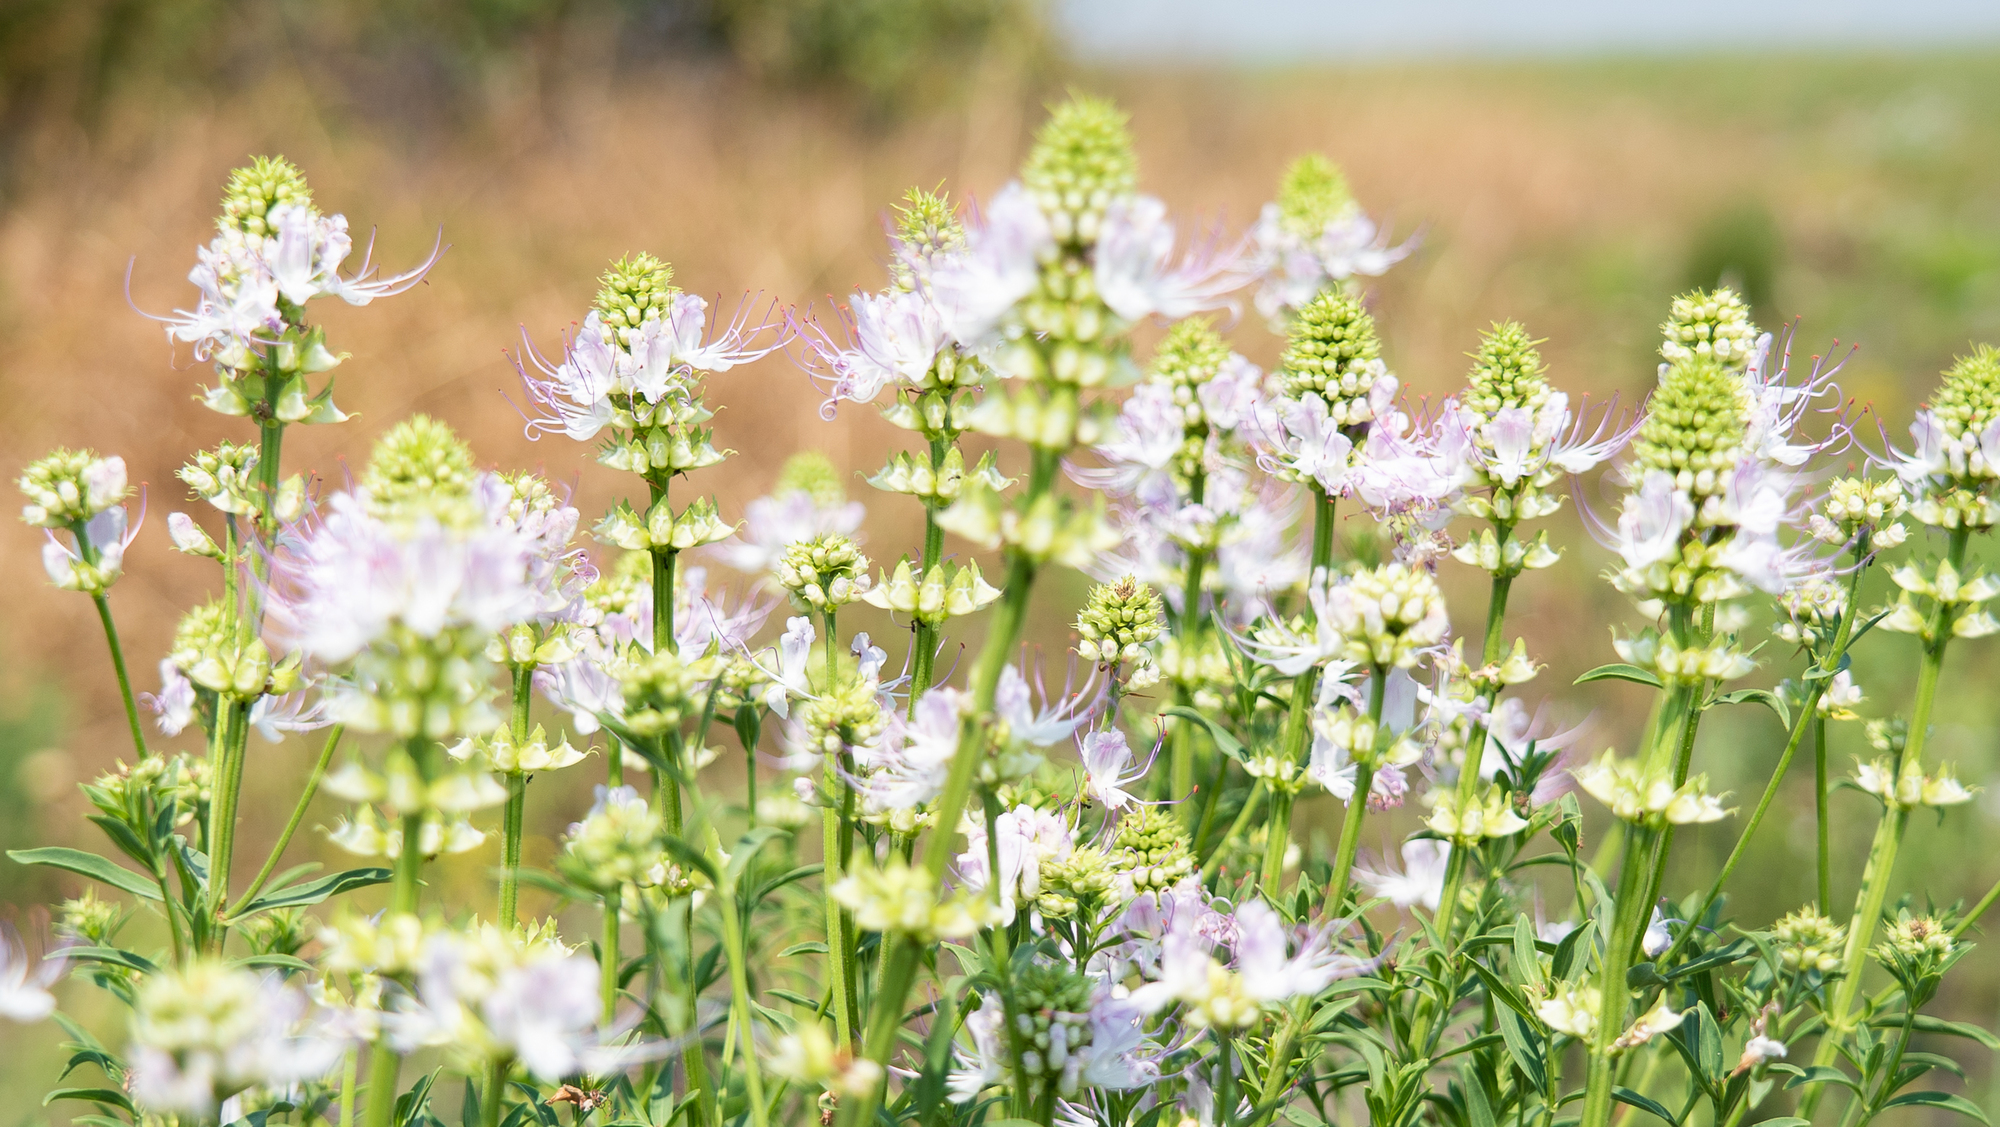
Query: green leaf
(313, 892)
(89, 865)
(1226, 743)
(1500, 990)
(1628, 1096)
(746, 848)
(113, 955)
(1619, 671)
(1783, 1121)
(1478, 1112)
(1925, 1023)
(1821, 1074)
(691, 857)
(1765, 697)
(289, 962)
(1944, 1100)
(814, 947)
(111, 1096)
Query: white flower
(205, 1032)
(25, 980)
(975, 288)
(1650, 526)
(1108, 768)
(1295, 266)
(174, 703)
(1422, 878)
(772, 524)
(1025, 839)
(1134, 276)
(909, 766)
(354, 577)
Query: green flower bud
(1312, 194)
(844, 717)
(813, 474)
(420, 468)
(1333, 352)
(1082, 159)
(225, 477)
(1507, 371)
(71, 486)
(926, 226)
(659, 690)
(1118, 622)
(898, 898)
(1077, 884)
(617, 843)
(254, 191)
(1052, 1022)
(1968, 400)
(824, 573)
(1695, 425)
(637, 288)
(1809, 941)
(1916, 937)
(93, 921)
(1151, 849)
(1712, 326)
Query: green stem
(1475, 746)
(607, 963)
(1820, 813)
(124, 678)
(383, 1063)
(839, 957)
(1278, 828)
(1226, 1098)
(292, 825)
(1632, 914)
(511, 820)
(231, 716)
(1357, 802)
(1888, 838)
(739, 999)
(1282, 1047)
(350, 1069)
(663, 599)
(832, 654)
(1977, 911)
(1236, 828)
(494, 1095)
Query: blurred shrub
(1741, 247)
(61, 59)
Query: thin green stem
(739, 1000)
(1475, 745)
(228, 781)
(1820, 816)
(1888, 837)
(511, 819)
(1629, 920)
(292, 824)
(383, 1063)
(608, 959)
(124, 678)
(1357, 802)
(1977, 911)
(350, 1074)
(839, 958)
(1236, 828)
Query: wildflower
(1025, 839)
(1955, 455)
(1263, 972)
(1571, 1010)
(807, 1056)
(1853, 505)
(204, 1032)
(1808, 941)
(498, 751)
(617, 843)
(1916, 937)
(823, 574)
(1314, 236)
(24, 981)
(1108, 768)
(1421, 881)
(1911, 787)
(1332, 354)
(1641, 795)
(901, 899)
(1135, 277)
(1649, 1025)
(1387, 614)
(1490, 815)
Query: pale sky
(1276, 31)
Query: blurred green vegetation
(426, 59)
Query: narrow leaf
(1944, 1100)
(89, 865)
(1619, 671)
(313, 892)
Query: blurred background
(1571, 165)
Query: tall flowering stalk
(1950, 472)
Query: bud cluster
(1647, 796)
